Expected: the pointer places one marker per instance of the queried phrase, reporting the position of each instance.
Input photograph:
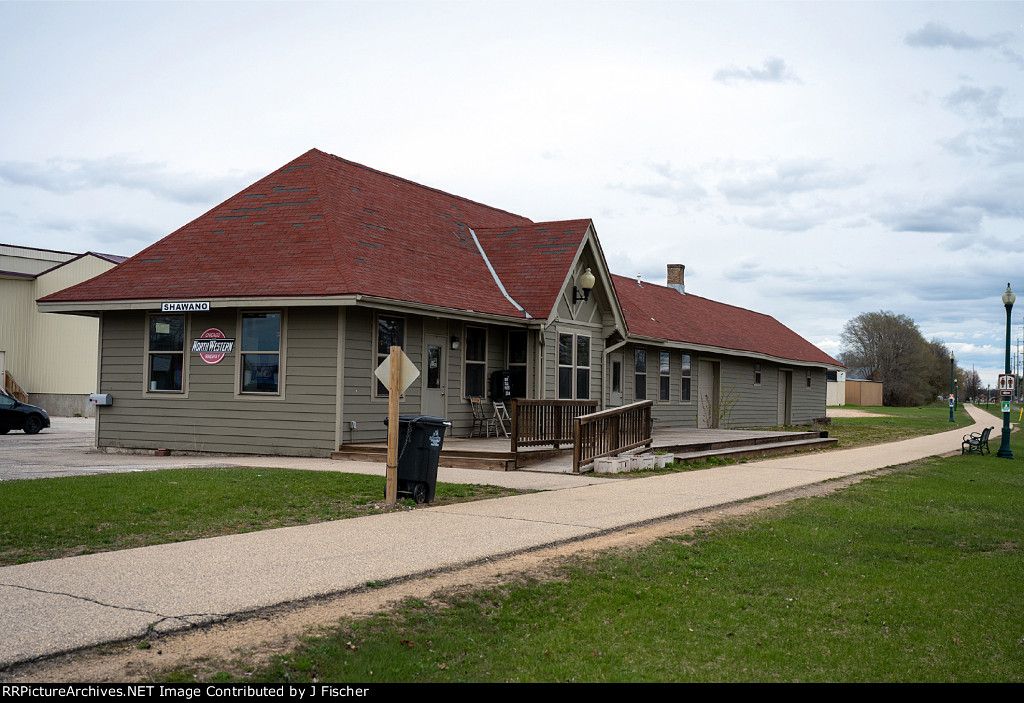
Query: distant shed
(863, 392)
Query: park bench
(976, 442)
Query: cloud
(62, 176)
(774, 70)
(1014, 58)
(940, 218)
(785, 179)
(783, 221)
(971, 101)
(679, 187)
(1002, 141)
(935, 35)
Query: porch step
(454, 458)
(749, 450)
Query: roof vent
(675, 277)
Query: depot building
(257, 327)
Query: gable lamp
(586, 282)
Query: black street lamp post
(951, 364)
(1004, 446)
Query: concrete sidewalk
(65, 604)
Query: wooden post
(394, 382)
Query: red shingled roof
(658, 312)
(533, 260)
(324, 226)
(320, 226)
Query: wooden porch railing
(610, 432)
(537, 422)
(11, 387)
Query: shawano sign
(190, 306)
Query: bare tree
(887, 347)
(971, 384)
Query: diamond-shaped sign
(409, 372)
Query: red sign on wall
(212, 346)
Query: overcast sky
(810, 160)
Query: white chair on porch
(502, 418)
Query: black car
(15, 415)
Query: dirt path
(851, 412)
(258, 636)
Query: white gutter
(494, 275)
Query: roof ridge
(414, 183)
(693, 295)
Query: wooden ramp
(496, 454)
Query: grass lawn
(912, 576)
(49, 518)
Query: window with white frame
(808, 378)
(757, 373)
(640, 374)
(476, 362)
(165, 354)
(260, 351)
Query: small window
(808, 378)
(166, 353)
(664, 376)
(640, 374)
(685, 385)
(390, 333)
(476, 361)
(757, 374)
(261, 352)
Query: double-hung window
(685, 386)
(640, 374)
(582, 367)
(165, 354)
(476, 362)
(573, 367)
(517, 356)
(261, 352)
(664, 375)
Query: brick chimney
(675, 277)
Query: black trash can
(420, 438)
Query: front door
(434, 377)
(785, 397)
(708, 416)
(615, 381)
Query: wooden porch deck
(495, 453)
